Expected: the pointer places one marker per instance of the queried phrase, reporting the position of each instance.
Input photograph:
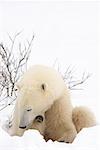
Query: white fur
(51, 101)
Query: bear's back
(39, 74)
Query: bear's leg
(13, 126)
(39, 125)
(59, 124)
(82, 118)
(13, 129)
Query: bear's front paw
(68, 137)
(5, 123)
(10, 124)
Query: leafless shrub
(12, 66)
(72, 82)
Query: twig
(69, 77)
(12, 66)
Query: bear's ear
(43, 86)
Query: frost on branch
(13, 63)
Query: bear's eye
(29, 109)
(43, 86)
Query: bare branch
(69, 77)
(7, 105)
(12, 65)
(74, 84)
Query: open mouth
(39, 119)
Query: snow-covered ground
(66, 31)
(87, 139)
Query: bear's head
(32, 102)
(37, 91)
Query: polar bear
(43, 103)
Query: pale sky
(66, 31)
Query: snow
(33, 140)
(87, 139)
(68, 33)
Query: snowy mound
(87, 139)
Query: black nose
(22, 127)
(39, 119)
